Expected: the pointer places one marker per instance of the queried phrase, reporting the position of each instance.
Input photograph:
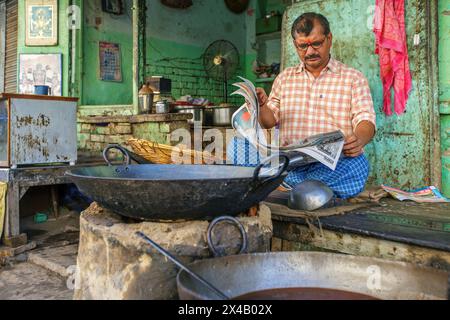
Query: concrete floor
(44, 273)
(27, 281)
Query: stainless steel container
(222, 115)
(145, 100)
(162, 107)
(197, 112)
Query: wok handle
(126, 155)
(282, 168)
(230, 220)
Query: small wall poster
(41, 22)
(40, 69)
(110, 63)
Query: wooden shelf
(153, 117)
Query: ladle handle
(182, 266)
(281, 168)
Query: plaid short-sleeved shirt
(339, 99)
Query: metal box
(160, 84)
(37, 130)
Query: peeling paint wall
(444, 90)
(400, 154)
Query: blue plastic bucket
(42, 90)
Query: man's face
(314, 49)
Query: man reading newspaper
(319, 95)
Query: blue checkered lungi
(348, 180)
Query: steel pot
(197, 112)
(222, 115)
(145, 100)
(162, 107)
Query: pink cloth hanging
(390, 37)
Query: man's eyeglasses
(315, 45)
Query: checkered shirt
(339, 99)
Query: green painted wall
(400, 155)
(276, 5)
(267, 6)
(95, 91)
(183, 64)
(268, 45)
(101, 26)
(250, 46)
(63, 40)
(444, 90)
(176, 39)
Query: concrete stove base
(114, 264)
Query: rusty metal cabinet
(34, 130)
(37, 130)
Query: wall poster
(110, 63)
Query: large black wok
(179, 192)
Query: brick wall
(189, 78)
(94, 137)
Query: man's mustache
(312, 57)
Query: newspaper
(428, 194)
(325, 148)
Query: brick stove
(113, 263)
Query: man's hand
(262, 96)
(355, 143)
(353, 146)
(266, 116)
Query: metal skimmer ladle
(182, 266)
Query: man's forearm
(365, 131)
(266, 117)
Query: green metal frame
(444, 91)
(142, 40)
(435, 134)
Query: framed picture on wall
(112, 6)
(110, 62)
(41, 22)
(40, 69)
